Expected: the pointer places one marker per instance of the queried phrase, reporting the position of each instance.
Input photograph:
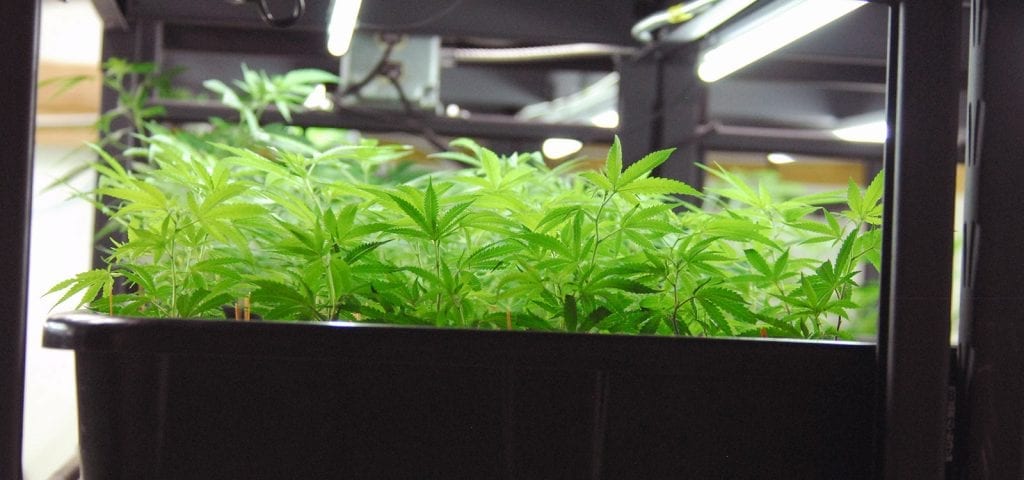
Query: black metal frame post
(889, 152)
(661, 105)
(923, 170)
(991, 363)
(17, 100)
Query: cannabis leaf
(311, 224)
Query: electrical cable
(678, 13)
(428, 133)
(384, 68)
(263, 6)
(539, 53)
(377, 69)
(298, 8)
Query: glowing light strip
(776, 30)
(343, 22)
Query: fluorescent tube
(341, 25)
(774, 30)
(606, 119)
(557, 148)
(778, 158)
(870, 132)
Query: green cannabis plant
(307, 231)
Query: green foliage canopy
(314, 232)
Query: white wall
(61, 247)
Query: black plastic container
(165, 398)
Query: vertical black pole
(884, 286)
(923, 167)
(681, 113)
(19, 37)
(661, 105)
(992, 307)
(639, 81)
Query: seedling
(302, 231)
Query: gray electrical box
(414, 58)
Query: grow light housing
(779, 25)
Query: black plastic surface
(19, 38)
(919, 269)
(220, 399)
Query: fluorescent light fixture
(778, 158)
(773, 30)
(343, 22)
(870, 132)
(557, 148)
(606, 119)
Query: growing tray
(168, 398)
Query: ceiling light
(766, 33)
(557, 148)
(606, 119)
(777, 158)
(870, 132)
(341, 25)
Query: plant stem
(675, 299)
(597, 226)
(693, 306)
(174, 270)
(782, 293)
(437, 275)
(333, 302)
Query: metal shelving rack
(17, 124)
(912, 353)
(991, 362)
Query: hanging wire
(298, 8)
(391, 72)
(428, 133)
(679, 13)
(378, 69)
